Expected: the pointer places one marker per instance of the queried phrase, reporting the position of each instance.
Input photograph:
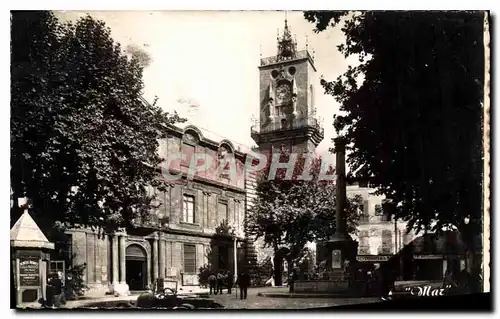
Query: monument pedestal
(341, 248)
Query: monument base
(341, 248)
(120, 289)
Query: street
(256, 302)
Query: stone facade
(187, 218)
(377, 233)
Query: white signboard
(372, 258)
(336, 259)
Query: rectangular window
(189, 259)
(188, 209)
(364, 243)
(364, 217)
(387, 242)
(378, 210)
(187, 153)
(56, 266)
(63, 248)
(385, 214)
(223, 212)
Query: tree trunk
(278, 271)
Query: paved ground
(256, 302)
(253, 301)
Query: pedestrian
(220, 282)
(49, 295)
(58, 290)
(388, 278)
(68, 285)
(230, 281)
(60, 276)
(212, 282)
(292, 280)
(464, 280)
(243, 282)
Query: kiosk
(30, 252)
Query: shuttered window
(189, 259)
(364, 243)
(387, 242)
(223, 212)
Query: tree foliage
(83, 142)
(290, 213)
(414, 123)
(223, 235)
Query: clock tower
(287, 119)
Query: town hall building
(177, 238)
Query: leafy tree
(262, 272)
(83, 141)
(414, 123)
(77, 287)
(306, 263)
(224, 234)
(288, 214)
(142, 56)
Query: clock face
(283, 93)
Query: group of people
(55, 294)
(225, 279)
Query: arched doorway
(136, 263)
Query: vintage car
(168, 298)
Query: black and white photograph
(250, 160)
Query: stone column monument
(341, 247)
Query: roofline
(177, 131)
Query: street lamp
(465, 237)
(237, 233)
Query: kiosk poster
(29, 272)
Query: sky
(211, 59)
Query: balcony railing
(275, 59)
(295, 124)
